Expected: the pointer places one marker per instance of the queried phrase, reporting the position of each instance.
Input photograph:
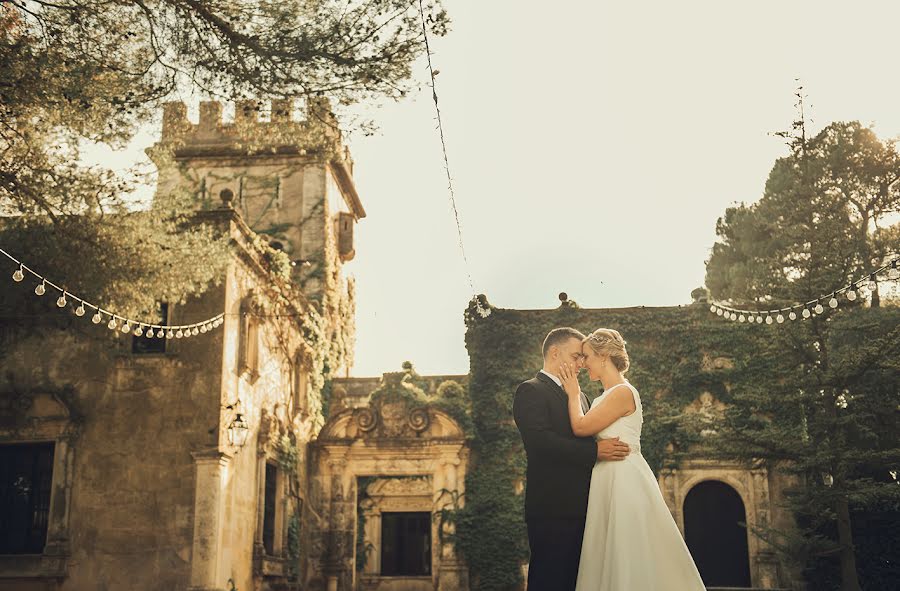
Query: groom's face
(570, 352)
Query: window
(405, 544)
(25, 477)
(343, 224)
(269, 509)
(299, 385)
(146, 344)
(248, 356)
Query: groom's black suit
(558, 481)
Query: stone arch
(713, 513)
(723, 477)
(751, 485)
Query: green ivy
(667, 348)
(293, 546)
(288, 454)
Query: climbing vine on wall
(673, 352)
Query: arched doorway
(713, 512)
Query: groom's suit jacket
(559, 463)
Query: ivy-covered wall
(676, 353)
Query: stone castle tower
(290, 178)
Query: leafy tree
(824, 219)
(76, 72)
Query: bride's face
(592, 362)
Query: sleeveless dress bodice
(627, 429)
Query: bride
(630, 539)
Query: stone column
(452, 573)
(210, 475)
(340, 569)
(258, 548)
(58, 520)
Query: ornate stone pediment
(710, 410)
(37, 414)
(396, 410)
(708, 406)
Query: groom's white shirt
(552, 377)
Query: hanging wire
(482, 311)
(113, 321)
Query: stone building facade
(121, 466)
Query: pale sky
(593, 145)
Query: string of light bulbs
(852, 291)
(113, 321)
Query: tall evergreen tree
(830, 418)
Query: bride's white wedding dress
(631, 542)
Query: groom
(559, 466)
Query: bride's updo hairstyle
(609, 343)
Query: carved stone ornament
(418, 419)
(366, 419)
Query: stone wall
(148, 492)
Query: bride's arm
(618, 404)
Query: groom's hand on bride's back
(611, 450)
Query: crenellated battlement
(247, 132)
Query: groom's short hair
(560, 335)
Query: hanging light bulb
(96, 318)
(111, 325)
(833, 302)
(19, 275)
(203, 329)
(41, 289)
(179, 334)
(150, 333)
(873, 283)
(160, 334)
(79, 311)
(851, 293)
(806, 313)
(894, 273)
(170, 334)
(61, 300)
(712, 309)
(138, 331)
(779, 319)
(769, 319)
(720, 312)
(819, 308)
(126, 327)
(741, 318)
(792, 315)
(195, 331)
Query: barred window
(26, 471)
(405, 544)
(269, 509)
